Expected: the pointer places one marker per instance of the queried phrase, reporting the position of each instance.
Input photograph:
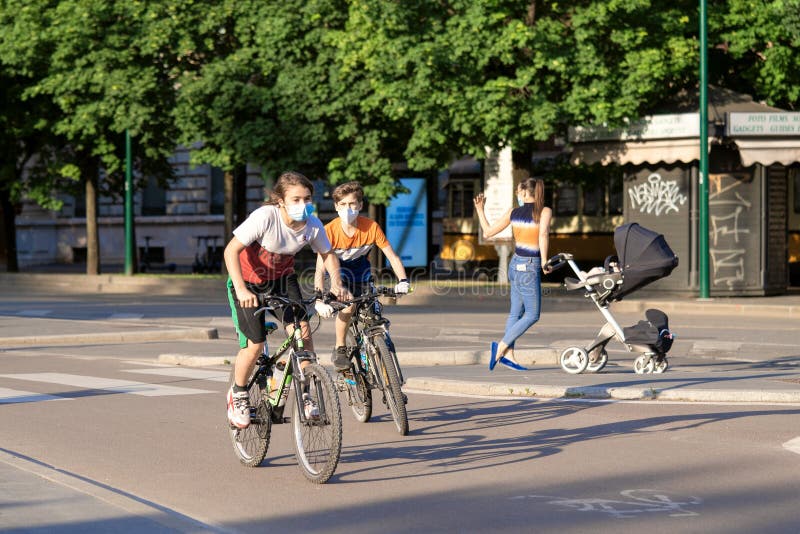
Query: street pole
(702, 242)
(128, 206)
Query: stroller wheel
(643, 364)
(574, 360)
(661, 366)
(600, 361)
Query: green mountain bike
(373, 360)
(317, 437)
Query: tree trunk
(92, 240)
(10, 232)
(229, 209)
(240, 196)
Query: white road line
(34, 313)
(793, 445)
(194, 374)
(107, 384)
(126, 316)
(15, 396)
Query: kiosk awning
(636, 153)
(768, 151)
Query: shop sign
(778, 124)
(672, 126)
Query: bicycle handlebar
(372, 295)
(269, 300)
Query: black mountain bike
(373, 360)
(317, 439)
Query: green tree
(101, 65)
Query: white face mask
(300, 212)
(347, 215)
(520, 201)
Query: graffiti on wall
(727, 208)
(656, 196)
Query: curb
(112, 337)
(499, 389)
(191, 360)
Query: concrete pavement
(753, 373)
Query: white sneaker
(310, 408)
(239, 408)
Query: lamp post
(702, 201)
(129, 250)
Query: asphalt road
(100, 436)
(160, 453)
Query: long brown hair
(285, 180)
(534, 186)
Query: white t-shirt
(271, 245)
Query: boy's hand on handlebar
(341, 293)
(323, 310)
(402, 287)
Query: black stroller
(643, 257)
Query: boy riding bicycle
(351, 237)
(260, 259)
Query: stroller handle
(558, 261)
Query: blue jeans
(526, 296)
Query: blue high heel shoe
(493, 357)
(512, 364)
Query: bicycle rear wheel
(393, 393)
(318, 441)
(250, 444)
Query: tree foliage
(344, 89)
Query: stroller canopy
(644, 257)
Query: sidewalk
(707, 370)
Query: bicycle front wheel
(393, 394)
(318, 440)
(250, 444)
(359, 394)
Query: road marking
(34, 313)
(634, 503)
(126, 316)
(16, 396)
(194, 374)
(793, 445)
(107, 384)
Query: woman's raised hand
(480, 201)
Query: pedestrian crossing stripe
(16, 396)
(107, 384)
(183, 372)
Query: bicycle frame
(294, 343)
(368, 320)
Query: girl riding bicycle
(260, 259)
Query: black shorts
(249, 326)
(357, 288)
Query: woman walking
(530, 225)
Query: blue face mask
(300, 212)
(520, 201)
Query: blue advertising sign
(407, 223)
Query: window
(594, 199)
(461, 195)
(217, 204)
(154, 198)
(615, 198)
(796, 191)
(567, 199)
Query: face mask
(300, 212)
(347, 215)
(520, 201)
